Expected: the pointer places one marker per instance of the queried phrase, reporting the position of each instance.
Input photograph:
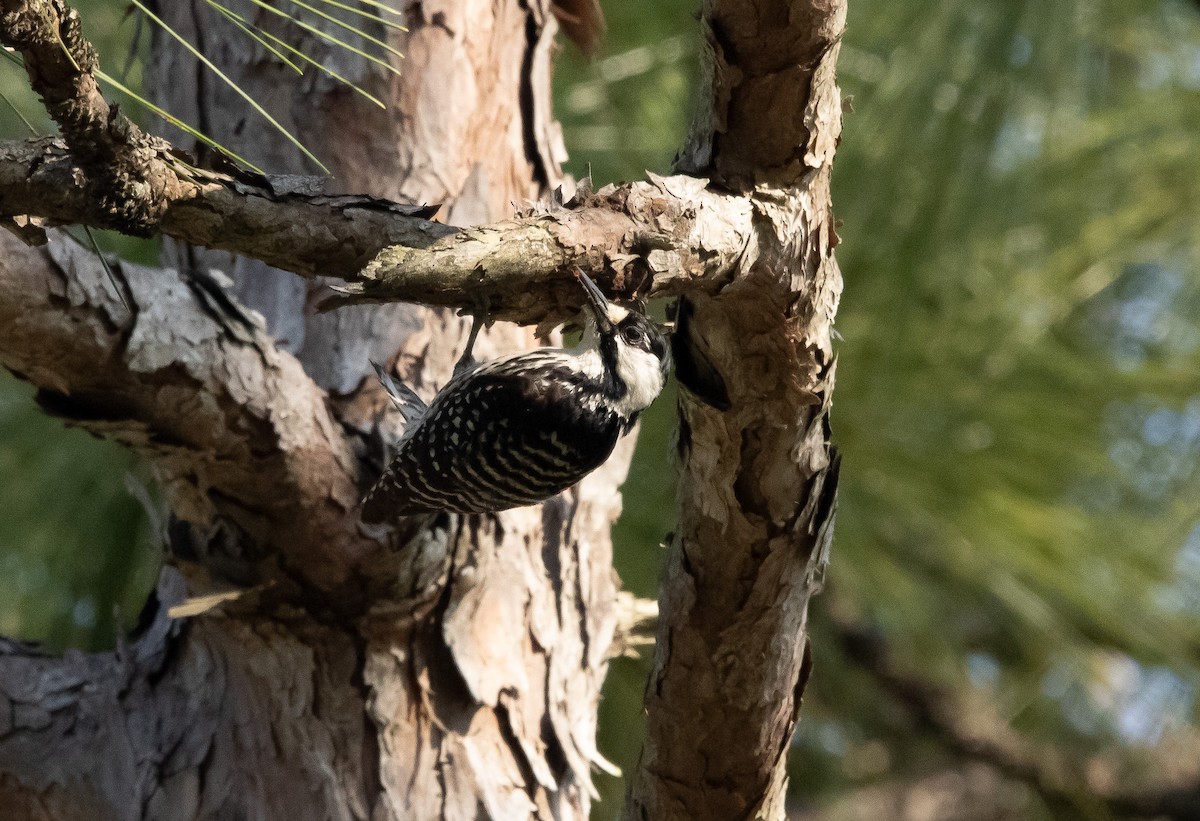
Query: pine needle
(326, 36)
(368, 15)
(343, 24)
(241, 23)
(383, 7)
(232, 85)
(112, 277)
(300, 54)
(175, 121)
(21, 116)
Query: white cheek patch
(643, 377)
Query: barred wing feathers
(499, 436)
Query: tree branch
(968, 733)
(663, 237)
(184, 377)
(657, 238)
(758, 483)
(287, 222)
(113, 153)
(107, 173)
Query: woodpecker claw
(479, 317)
(466, 360)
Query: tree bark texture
(450, 669)
(758, 481)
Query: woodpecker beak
(597, 302)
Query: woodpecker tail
(411, 406)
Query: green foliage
(628, 110)
(1018, 191)
(76, 558)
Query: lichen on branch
(662, 237)
(655, 238)
(116, 157)
(288, 222)
(646, 239)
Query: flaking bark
(452, 668)
(448, 669)
(115, 155)
(662, 237)
(234, 429)
(759, 480)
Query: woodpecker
(519, 429)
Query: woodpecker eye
(633, 335)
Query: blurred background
(1011, 627)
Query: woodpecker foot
(479, 318)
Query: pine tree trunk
(450, 668)
(457, 676)
(758, 478)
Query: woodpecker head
(632, 348)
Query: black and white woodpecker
(519, 429)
